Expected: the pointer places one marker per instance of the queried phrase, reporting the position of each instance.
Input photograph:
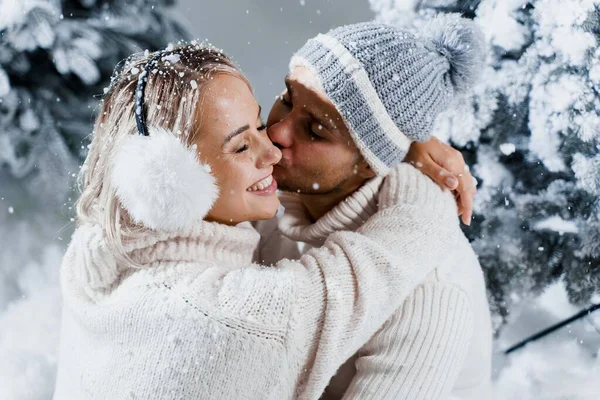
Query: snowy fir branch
(55, 59)
(531, 134)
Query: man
(344, 120)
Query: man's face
(319, 156)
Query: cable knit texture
(200, 321)
(348, 215)
(390, 84)
(437, 345)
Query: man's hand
(446, 166)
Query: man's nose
(281, 133)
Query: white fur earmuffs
(160, 182)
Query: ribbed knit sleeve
(406, 185)
(357, 299)
(357, 280)
(419, 351)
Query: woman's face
(232, 139)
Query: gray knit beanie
(390, 84)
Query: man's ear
(363, 169)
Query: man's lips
(282, 164)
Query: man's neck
(318, 205)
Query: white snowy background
(261, 35)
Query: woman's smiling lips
(265, 187)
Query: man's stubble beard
(305, 186)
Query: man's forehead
(304, 77)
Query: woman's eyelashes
(246, 146)
(242, 149)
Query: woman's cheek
(236, 178)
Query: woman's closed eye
(242, 149)
(262, 127)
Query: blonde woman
(161, 298)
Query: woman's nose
(270, 153)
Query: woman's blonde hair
(173, 91)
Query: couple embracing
(363, 287)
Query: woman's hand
(446, 166)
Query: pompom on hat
(157, 178)
(390, 84)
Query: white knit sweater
(437, 345)
(199, 321)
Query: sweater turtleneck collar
(349, 215)
(207, 242)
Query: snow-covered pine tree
(56, 56)
(531, 133)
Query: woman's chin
(249, 208)
(264, 208)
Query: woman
(161, 299)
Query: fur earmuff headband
(157, 178)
